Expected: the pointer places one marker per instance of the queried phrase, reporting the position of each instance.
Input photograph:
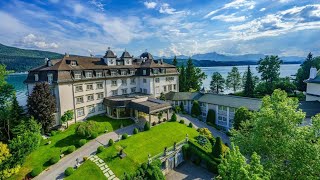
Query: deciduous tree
(269, 67)
(217, 82)
(67, 116)
(242, 114)
(42, 105)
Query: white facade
(313, 86)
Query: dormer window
(77, 75)
(88, 74)
(50, 78)
(98, 74)
(73, 63)
(36, 77)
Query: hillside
(21, 60)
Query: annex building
(119, 86)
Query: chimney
(313, 72)
(66, 54)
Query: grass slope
(87, 171)
(61, 141)
(137, 147)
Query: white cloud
(78, 8)
(98, 4)
(236, 4)
(150, 5)
(34, 41)
(229, 18)
(166, 9)
(262, 9)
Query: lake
(286, 70)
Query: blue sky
(163, 27)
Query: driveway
(188, 171)
(199, 124)
(56, 171)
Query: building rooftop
(182, 96)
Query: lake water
(286, 70)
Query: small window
(99, 86)
(123, 73)
(77, 75)
(133, 90)
(155, 71)
(88, 74)
(157, 80)
(100, 107)
(98, 74)
(91, 109)
(133, 81)
(79, 88)
(36, 77)
(114, 73)
(90, 97)
(132, 72)
(144, 72)
(170, 87)
(79, 99)
(100, 96)
(124, 81)
(144, 80)
(124, 91)
(174, 87)
(114, 83)
(89, 87)
(169, 78)
(73, 63)
(114, 92)
(50, 78)
(80, 112)
(165, 88)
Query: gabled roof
(231, 101)
(182, 96)
(125, 54)
(109, 54)
(311, 108)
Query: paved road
(189, 171)
(200, 124)
(56, 171)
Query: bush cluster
(154, 123)
(54, 159)
(68, 171)
(173, 117)
(71, 149)
(36, 171)
(100, 149)
(82, 142)
(146, 171)
(124, 136)
(94, 135)
(111, 142)
(190, 125)
(164, 119)
(181, 121)
(135, 131)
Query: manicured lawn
(61, 141)
(87, 171)
(137, 147)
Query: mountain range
(21, 60)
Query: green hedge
(111, 142)
(124, 136)
(82, 142)
(135, 131)
(71, 149)
(54, 159)
(68, 171)
(100, 149)
(36, 171)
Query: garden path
(56, 171)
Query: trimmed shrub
(195, 110)
(53, 133)
(146, 126)
(124, 136)
(71, 149)
(177, 109)
(135, 131)
(164, 119)
(54, 159)
(190, 125)
(173, 117)
(100, 149)
(211, 116)
(85, 158)
(154, 123)
(181, 121)
(36, 171)
(181, 107)
(82, 142)
(68, 171)
(94, 135)
(219, 148)
(111, 142)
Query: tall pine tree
(249, 84)
(304, 72)
(42, 106)
(182, 79)
(175, 61)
